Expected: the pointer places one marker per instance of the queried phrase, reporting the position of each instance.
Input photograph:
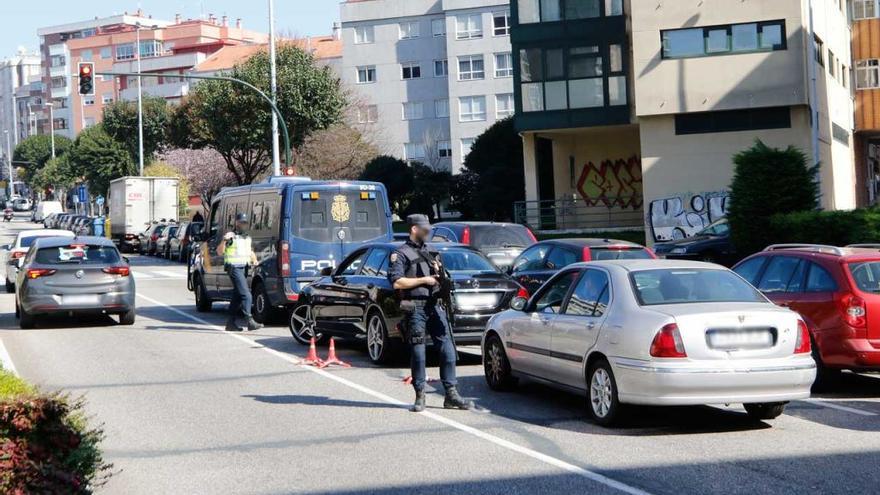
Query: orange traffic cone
(408, 380)
(332, 359)
(312, 358)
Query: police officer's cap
(418, 220)
(241, 218)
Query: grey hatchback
(82, 275)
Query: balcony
(163, 63)
(60, 92)
(59, 49)
(58, 71)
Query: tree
(338, 152)
(236, 121)
(397, 177)
(767, 181)
(38, 151)
(430, 188)
(57, 173)
(120, 120)
(99, 158)
(204, 170)
(493, 177)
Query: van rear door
(358, 214)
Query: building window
(125, 52)
(413, 111)
(832, 63)
(441, 108)
(88, 101)
(471, 108)
(751, 119)
(732, 38)
(444, 149)
(367, 114)
(441, 68)
(411, 70)
(364, 35)
(151, 48)
(868, 74)
(501, 23)
(840, 134)
(105, 78)
(438, 27)
(471, 67)
(86, 55)
(106, 52)
(503, 105)
(557, 79)
(468, 27)
(59, 82)
(107, 99)
(819, 48)
(865, 9)
(88, 32)
(413, 151)
(366, 74)
(503, 65)
(532, 11)
(57, 61)
(409, 30)
(58, 124)
(466, 145)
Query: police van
(298, 227)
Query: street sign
(82, 195)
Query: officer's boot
(232, 326)
(253, 325)
(455, 401)
(419, 405)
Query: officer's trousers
(428, 318)
(240, 305)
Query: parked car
(712, 245)
(168, 233)
(180, 247)
(150, 237)
(501, 242)
(15, 252)
(83, 275)
(356, 300)
(653, 332)
(21, 204)
(46, 208)
(835, 290)
(49, 220)
(542, 260)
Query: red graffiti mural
(617, 183)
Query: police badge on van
(340, 210)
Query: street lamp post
(9, 162)
(140, 104)
(276, 154)
(51, 127)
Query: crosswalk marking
(139, 274)
(170, 274)
(157, 274)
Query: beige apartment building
(631, 111)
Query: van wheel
(302, 325)
(379, 346)
(765, 410)
(605, 409)
(496, 366)
(262, 310)
(203, 301)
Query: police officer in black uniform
(414, 274)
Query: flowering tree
(204, 169)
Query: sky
(19, 19)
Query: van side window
(257, 216)
(268, 211)
(215, 219)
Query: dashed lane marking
(547, 459)
(831, 405)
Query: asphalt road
(188, 408)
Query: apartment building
(631, 111)
(866, 59)
(428, 76)
(16, 73)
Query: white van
(46, 208)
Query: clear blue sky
(19, 19)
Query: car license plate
(740, 339)
(79, 299)
(466, 301)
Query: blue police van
(298, 227)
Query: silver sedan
(653, 332)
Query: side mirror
(6, 247)
(326, 271)
(518, 303)
(126, 259)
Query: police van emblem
(393, 257)
(340, 210)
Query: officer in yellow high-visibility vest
(237, 255)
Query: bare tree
(339, 152)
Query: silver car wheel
(600, 393)
(303, 324)
(496, 362)
(375, 338)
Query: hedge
(836, 228)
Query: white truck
(136, 202)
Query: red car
(837, 292)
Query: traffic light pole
(287, 155)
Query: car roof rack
(818, 248)
(867, 245)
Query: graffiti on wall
(612, 183)
(685, 215)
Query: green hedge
(836, 228)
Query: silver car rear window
(683, 286)
(77, 253)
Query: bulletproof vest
(416, 266)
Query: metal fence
(576, 214)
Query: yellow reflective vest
(238, 252)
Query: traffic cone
(332, 359)
(312, 358)
(408, 380)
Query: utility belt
(409, 305)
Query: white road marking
(169, 274)
(553, 461)
(831, 405)
(140, 274)
(6, 360)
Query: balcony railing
(576, 214)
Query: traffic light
(86, 78)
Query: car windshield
(719, 228)
(465, 260)
(684, 285)
(77, 253)
(483, 236)
(633, 253)
(866, 275)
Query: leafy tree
(236, 121)
(120, 120)
(338, 152)
(57, 173)
(493, 177)
(768, 181)
(397, 177)
(204, 170)
(430, 188)
(99, 158)
(38, 151)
